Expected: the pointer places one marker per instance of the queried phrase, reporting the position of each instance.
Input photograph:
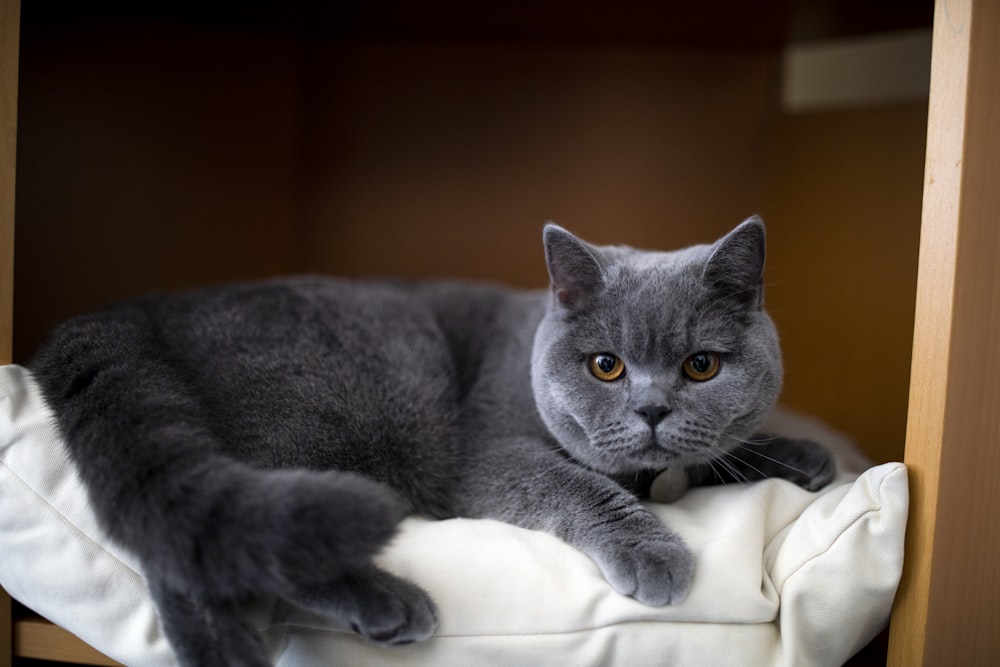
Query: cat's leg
(379, 606)
(804, 462)
(148, 451)
(637, 554)
(271, 533)
(206, 634)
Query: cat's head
(654, 359)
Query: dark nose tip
(653, 414)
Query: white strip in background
(871, 70)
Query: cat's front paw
(655, 572)
(811, 465)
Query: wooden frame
(949, 598)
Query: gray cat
(267, 439)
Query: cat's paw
(655, 572)
(800, 461)
(812, 466)
(376, 605)
(395, 614)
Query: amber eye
(606, 367)
(702, 366)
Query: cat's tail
(199, 521)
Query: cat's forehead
(657, 302)
(652, 268)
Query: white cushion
(784, 577)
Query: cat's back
(297, 324)
(310, 372)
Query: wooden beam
(949, 598)
(6, 630)
(35, 637)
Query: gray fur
(267, 439)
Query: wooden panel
(161, 156)
(150, 156)
(949, 601)
(35, 637)
(6, 631)
(9, 33)
(447, 159)
(843, 229)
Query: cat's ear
(574, 268)
(736, 266)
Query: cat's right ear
(736, 266)
(574, 269)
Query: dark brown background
(161, 148)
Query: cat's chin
(652, 456)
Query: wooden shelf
(35, 637)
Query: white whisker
(756, 441)
(757, 470)
(773, 460)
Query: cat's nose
(653, 414)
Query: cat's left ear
(736, 266)
(574, 268)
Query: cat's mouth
(621, 458)
(620, 447)
(652, 449)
